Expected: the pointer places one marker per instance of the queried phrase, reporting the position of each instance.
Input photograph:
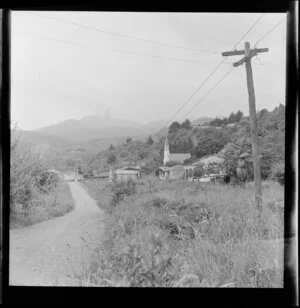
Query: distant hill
(91, 127)
(92, 133)
(38, 138)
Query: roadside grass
(44, 206)
(183, 234)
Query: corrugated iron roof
(181, 157)
(177, 168)
(163, 168)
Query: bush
(278, 173)
(121, 189)
(46, 181)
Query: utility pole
(249, 53)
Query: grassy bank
(177, 233)
(44, 206)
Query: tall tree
(174, 127)
(186, 124)
(150, 140)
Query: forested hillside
(203, 141)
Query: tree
(111, 147)
(198, 171)
(26, 165)
(128, 140)
(150, 140)
(238, 116)
(174, 127)
(111, 160)
(80, 170)
(186, 124)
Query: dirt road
(57, 251)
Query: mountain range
(93, 133)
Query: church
(177, 157)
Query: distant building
(178, 157)
(212, 161)
(173, 173)
(126, 173)
(177, 172)
(162, 172)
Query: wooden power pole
(249, 53)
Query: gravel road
(57, 251)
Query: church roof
(180, 157)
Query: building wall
(126, 177)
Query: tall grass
(190, 234)
(44, 206)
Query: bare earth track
(55, 252)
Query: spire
(166, 150)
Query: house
(231, 125)
(162, 172)
(173, 173)
(177, 172)
(213, 164)
(126, 173)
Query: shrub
(278, 173)
(122, 189)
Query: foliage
(174, 127)
(198, 171)
(278, 173)
(25, 166)
(128, 139)
(233, 118)
(209, 141)
(46, 181)
(111, 159)
(121, 189)
(150, 140)
(36, 193)
(111, 147)
(185, 234)
(186, 124)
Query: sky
(63, 71)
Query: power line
(125, 36)
(249, 30)
(202, 99)
(269, 32)
(106, 48)
(194, 93)
(216, 68)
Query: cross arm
(242, 52)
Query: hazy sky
(53, 80)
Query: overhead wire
(125, 36)
(269, 32)
(202, 99)
(106, 48)
(211, 74)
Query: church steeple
(166, 150)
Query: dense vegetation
(200, 142)
(36, 193)
(164, 234)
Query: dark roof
(131, 168)
(163, 168)
(178, 168)
(180, 157)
